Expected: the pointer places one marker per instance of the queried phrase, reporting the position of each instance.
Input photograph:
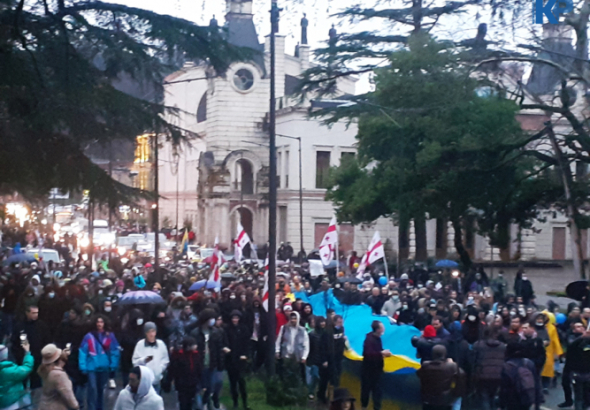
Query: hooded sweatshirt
(146, 397)
(293, 341)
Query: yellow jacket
(554, 349)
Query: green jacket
(11, 380)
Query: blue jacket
(139, 281)
(99, 355)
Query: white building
(223, 176)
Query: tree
(435, 140)
(61, 68)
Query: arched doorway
(243, 215)
(244, 177)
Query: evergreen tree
(61, 67)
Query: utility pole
(177, 199)
(110, 205)
(272, 195)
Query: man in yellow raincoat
(553, 350)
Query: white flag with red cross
(217, 260)
(265, 289)
(241, 241)
(376, 250)
(326, 254)
(331, 236)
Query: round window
(243, 79)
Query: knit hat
(3, 353)
(149, 326)
(236, 312)
(50, 354)
(429, 332)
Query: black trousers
(371, 386)
(566, 383)
(186, 397)
(323, 385)
(237, 381)
(336, 372)
(258, 349)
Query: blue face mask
(211, 322)
(338, 327)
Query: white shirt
(160, 360)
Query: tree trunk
(463, 254)
(403, 240)
(420, 232)
(572, 210)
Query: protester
(237, 359)
(140, 393)
(578, 364)
(293, 343)
(440, 381)
(342, 400)
(186, 371)
(489, 360)
(14, 395)
(152, 353)
(372, 367)
(213, 345)
(519, 388)
(58, 392)
(98, 355)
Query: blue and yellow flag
(184, 244)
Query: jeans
(212, 382)
(313, 377)
(486, 394)
(371, 385)
(80, 393)
(457, 404)
(96, 384)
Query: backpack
(523, 380)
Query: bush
(287, 389)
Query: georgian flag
(326, 254)
(374, 253)
(265, 289)
(217, 260)
(376, 250)
(241, 241)
(331, 237)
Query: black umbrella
(577, 290)
(352, 280)
(228, 275)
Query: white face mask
(139, 321)
(108, 309)
(471, 318)
(51, 295)
(211, 322)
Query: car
(46, 254)
(192, 252)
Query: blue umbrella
(446, 263)
(201, 284)
(20, 258)
(140, 297)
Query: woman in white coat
(139, 394)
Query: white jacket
(146, 397)
(158, 364)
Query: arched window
(244, 177)
(202, 109)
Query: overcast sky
(319, 13)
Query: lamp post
(272, 195)
(300, 191)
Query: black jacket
(489, 360)
(438, 379)
(424, 346)
(534, 350)
(238, 341)
(72, 332)
(319, 348)
(372, 355)
(217, 341)
(577, 359)
(186, 369)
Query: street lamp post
(300, 191)
(272, 195)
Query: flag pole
(337, 252)
(385, 263)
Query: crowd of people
(66, 339)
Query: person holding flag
(217, 260)
(184, 243)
